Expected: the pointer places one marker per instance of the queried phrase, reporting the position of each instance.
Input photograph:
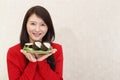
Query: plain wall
(89, 31)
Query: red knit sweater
(18, 70)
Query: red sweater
(18, 70)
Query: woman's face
(36, 28)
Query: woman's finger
(54, 50)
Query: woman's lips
(36, 34)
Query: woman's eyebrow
(32, 21)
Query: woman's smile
(37, 34)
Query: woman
(37, 25)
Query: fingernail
(21, 50)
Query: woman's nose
(37, 28)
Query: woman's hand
(37, 57)
(41, 57)
(29, 56)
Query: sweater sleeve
(47, 73)
(15, 69)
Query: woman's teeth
(36, 34)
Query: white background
(89, 31)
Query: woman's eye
(32, 23)
(43, 24)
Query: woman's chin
(37, 39)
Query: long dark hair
(50, 35)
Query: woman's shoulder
(15, 47)
(59, 52)
(14, 54)
(57, 46)
(54, 44)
